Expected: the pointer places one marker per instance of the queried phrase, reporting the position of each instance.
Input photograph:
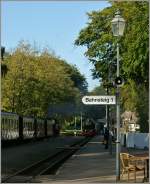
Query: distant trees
(36, 79)
(75, 75)
(3, 65)
(134, 54)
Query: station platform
(91, 164)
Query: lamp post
(107, 116)
(118, 24)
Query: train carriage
(28, 127)
(9, 126)
(15, 127)
(40, 128)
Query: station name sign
(99, 100)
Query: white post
(75, 126)
(118, 122)
(81, 122)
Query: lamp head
(118, 24)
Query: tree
(101, 48)
(78, 79)
(4, 68)
(100, 43)
(35, 80)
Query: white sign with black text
(99, 100)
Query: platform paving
(91, 164)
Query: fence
(135, 140)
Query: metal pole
(81, 122)
(75, 126)
(106, 116)
(118, 123)
(109, 121)
(110, 135)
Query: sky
(55, 24)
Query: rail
(48, 165)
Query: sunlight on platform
(90, 154)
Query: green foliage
(72, 125)
(97, 38)
(101, 44)
(129, 96)
(34, 80)
(98, 91)
(142, 107)
(136, 43)
(78, 79)
(135, 98)
(4, 69)
(134, 54)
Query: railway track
(48, 165)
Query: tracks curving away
(48, 165)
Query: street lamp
(118, 25)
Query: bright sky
(50, 23)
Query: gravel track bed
(18, 157)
